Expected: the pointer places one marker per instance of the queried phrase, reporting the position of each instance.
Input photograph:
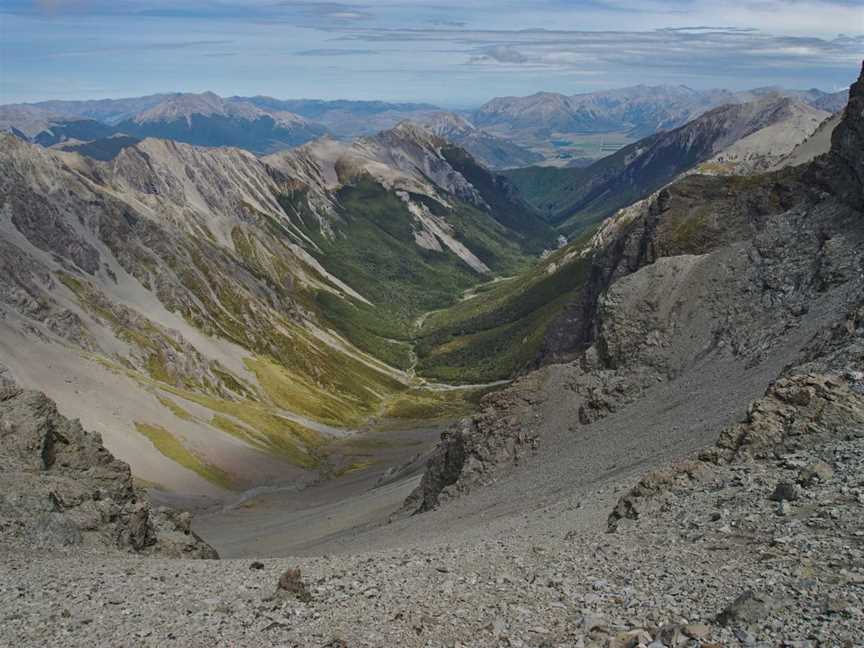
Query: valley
(554, 370)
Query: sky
(447, 52)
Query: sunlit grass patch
(175, 408)
(171, 447)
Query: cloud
(447, 23)
(337, 11)
(336, 52)
(699, 50)
(501, 54)
(427, 50)
(143, 46)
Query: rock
(629, 639)
(749, 608)
(593, 622)
(698, 631)
(498, 627)
(671, 634)
(256, 564)
(815, 472)
(291, 584)
(785, 492)
(61, 486)
(835, 605)
(134, 529)
(746, 638)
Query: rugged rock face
(842, 170)
(471, 453)
(712, 269)
(62, 490)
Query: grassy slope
(508, 207)
(375, 252)
(500, 330)
(574, 199)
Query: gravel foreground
(726, 564)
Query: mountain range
(503, 133)
(738, 137)
(661, 444)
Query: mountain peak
(208, 104)
(413, 132)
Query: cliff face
(63, 491)
(841, 172)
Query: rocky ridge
(63, 492)
(574, 199)
(490, 150)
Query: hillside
(491, 151)
(574, 198)
(224, 319)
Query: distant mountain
(828, 101)
(346, 118)
(833, 103)
(109, 111)
(639, 110)
(507, 132)
(46, 128)
(208, 120)
(573, 198)
(488, 149)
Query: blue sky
(442, 51)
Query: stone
(749, 608)
(835, 605)
(785, 491)
(291, 584)
(815, 472)
(698, 631)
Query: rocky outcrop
(63, 491)
(479, 449)
(797, 413)
(842, 171)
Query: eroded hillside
(223, 318)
